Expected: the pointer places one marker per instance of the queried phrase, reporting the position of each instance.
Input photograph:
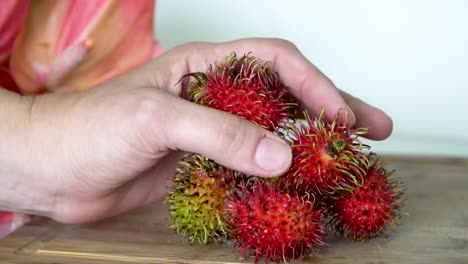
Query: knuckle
(147, 105)
(193, 46)
(232, 136)
(149, 120)
(285, 44)
(146, 110)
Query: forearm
(17, 181)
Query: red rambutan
(327, 157)
(246, 87)
(274, 224)
(370, 208)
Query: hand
(104, 151)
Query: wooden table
(434, 229)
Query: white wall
(409, 58)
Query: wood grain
(434, 229)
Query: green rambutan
(196, 199)
(273, 224)
(246, 87)
(327, 157)
(371, 208)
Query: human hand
(107, 150)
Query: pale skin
(85, 156)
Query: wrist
(20, 179)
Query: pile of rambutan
(335, 185)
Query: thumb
(229, 140)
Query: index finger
(305, 81)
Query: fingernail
(351, 117)
(273, 154)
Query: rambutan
(246, 87)
(371, 208)
(273, 224)
(196, 199)
(327, 156)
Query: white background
(409, 58)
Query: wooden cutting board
(434, 229)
